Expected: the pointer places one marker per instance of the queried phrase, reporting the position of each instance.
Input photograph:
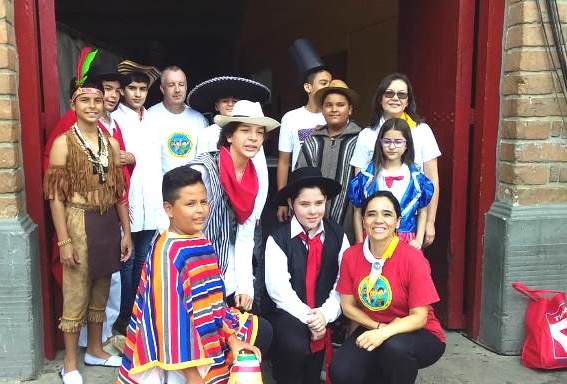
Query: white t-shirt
(178, 134)
(297, 126)
(424, 144)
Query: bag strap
(533, 294)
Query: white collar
(296, 228)
(131, 113)
(367, 253)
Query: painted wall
(361, 37)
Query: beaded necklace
(99, 160)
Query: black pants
(292, 359)
(265, 332)
(396, 361)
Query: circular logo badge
(377, 297)
(179, 144)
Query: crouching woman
(301, 271)
(386, 289)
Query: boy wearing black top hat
(298, 124)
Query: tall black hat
(305, 59)
(307, 176)
(105, 67)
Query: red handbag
(545, 345)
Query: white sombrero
(246, 111)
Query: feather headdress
(86, 58)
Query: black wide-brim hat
(306, 177)
(204, 96)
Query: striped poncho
(180, 319)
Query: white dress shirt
(278, 283)
(144, 198)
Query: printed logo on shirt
(180, 144)
(376, 298)
(305, 134)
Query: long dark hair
(399, 125)
(376, 106)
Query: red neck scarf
(390, 180)
(242, 195)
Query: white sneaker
(112, 361)
(73, 377)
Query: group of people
(172, 204)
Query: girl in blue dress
(393, 169)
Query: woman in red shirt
(387, 290)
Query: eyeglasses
(398, 143)
(391, 94)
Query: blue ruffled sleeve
(356, 190)
(427, 189)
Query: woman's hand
(236, 345)
(415, 243)
(370, 340)
(243, 301)
(316, 321)
(68, 256)
(429, 234)
(125, 248)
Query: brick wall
(532, 166)
(11, 171)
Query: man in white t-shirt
(178, 127)
(297, 126)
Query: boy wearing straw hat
(331, 147)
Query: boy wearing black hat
(298, 124)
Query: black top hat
(105, 67)
(305, 59)
(306, 177)
(204, 96)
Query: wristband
(64, 242)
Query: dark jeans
(396, 361)
(130, 276)
(292, 359)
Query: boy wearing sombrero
(331, 147)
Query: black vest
(296, 253)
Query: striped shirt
(180, 319)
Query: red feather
(84, 52)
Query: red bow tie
(390, 180)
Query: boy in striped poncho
(181, 330)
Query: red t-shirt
(405, 283)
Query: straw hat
(246, 111)
(336, 86)
(128, 66)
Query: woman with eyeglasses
(394, 98)
(393, 169)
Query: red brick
(529, 106)
(533, 152)
(526, 35)
(533, 195)
(9, 109)
(563, 175)
(526, 129)
(6, 33)
(528, 83)
(532, 174)
(11, 205)
(9, 131)
(9, 156)
(8, 58)
(11, 181)
(8, 85)
(528, 60)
